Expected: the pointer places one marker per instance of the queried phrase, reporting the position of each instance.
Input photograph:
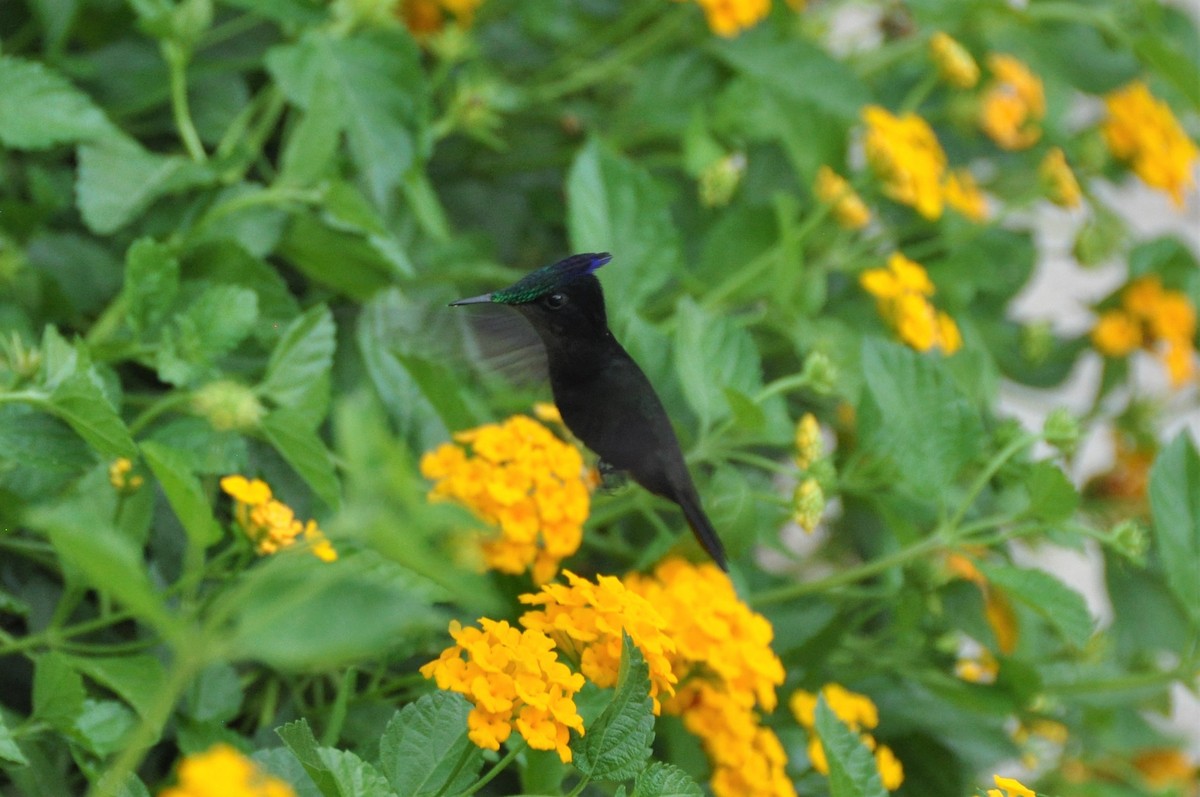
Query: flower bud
(228, 406)
(1061, 430)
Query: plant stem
(865, 570)
(1004, 455)
(177, 59)
(500, 766)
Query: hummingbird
(603, 396)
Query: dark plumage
(604, 397)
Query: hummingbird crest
(544, 280)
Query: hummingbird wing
(500, 341)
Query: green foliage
(229, 230)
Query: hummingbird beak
(484, 299)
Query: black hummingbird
(604, 397)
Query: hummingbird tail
(703, 529)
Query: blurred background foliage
(229, 230)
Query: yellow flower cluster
(905, 154)
(518, 477)
(586, 621)
(222, 771)
(849, 209)
(121, 480)
(902, 292)
(272, 525)
(859, 713)
(730, 17)
(954, 64)
(1014, 104)
(1059, 181)
(1154, 318)
(1142, 130)
(962, 193)
(726, 671)
(515, 680)
(809, 446)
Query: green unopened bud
(452, 44)
(720, 180)
(1061, 430)
(228, 406)
(1037, 342)
(1130, 539)
(23, 361)
(820, 372)
(1100, 238)
(353, 14)
(808, 504)
(190, 20)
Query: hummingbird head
(558, 299)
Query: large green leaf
(40, 108)
(118, 179)
(616, 745)
(923, 423)
(1061, 607)
(614, 205)
(209, 327)
(81, 402)
(184, 492)
(382, 95)
(136, 679)
(58, 691)
(151, 283)
(425, 749)
(292, 435)
(713, 356)
(665, 780)
(1175, 502)
(303, 355)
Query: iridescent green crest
(545, 280)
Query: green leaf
(108, 561)
(382, 93)
(80, 402)
(10, 752)
(665, 780)
(1061, 607)
(712, 356)
(184, 492)
(923, 423)
(303, 354)
(617, 744)
(362, 609)
(298, 737)
(312, 144)
(103, 726)
(135, 679)
(852, 770)
(211, 325)
(118, 180)
(58, 691)
(151, 283)
(1052, 497)
(1175, 504)
(215, 695)
(614, 205)
(353, 776)
(40, 108)
(293, 437)
(426, 743)
(344, 261)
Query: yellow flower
(980, 670)
(522, 480)
(1116, 334)
(832, 189)
(1154, 318)
(515, 680)
(905, 154)
(808, 504)
(901, 290)
(1013, 105)
(1163, 768)
(272, 525)
(222, 771)
(1142, 130)
(955, 65)
(859, 713)
(730, 17)
(809, 447)
(587, 620)
(1059, 181)
(963, 194)
(425, 17)
(1011, 787)
(119, 478)
(726, 669)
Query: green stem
(981, 481)
(500, 766)
(177, 60)
(149, 730)
(580, 786)
(865, 570)
(458, 766)
(168, 402)
(51, 635)
(1123, 683)
(337, 714)
(919, 93)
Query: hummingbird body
(603, 396)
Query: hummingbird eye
(555, 300)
